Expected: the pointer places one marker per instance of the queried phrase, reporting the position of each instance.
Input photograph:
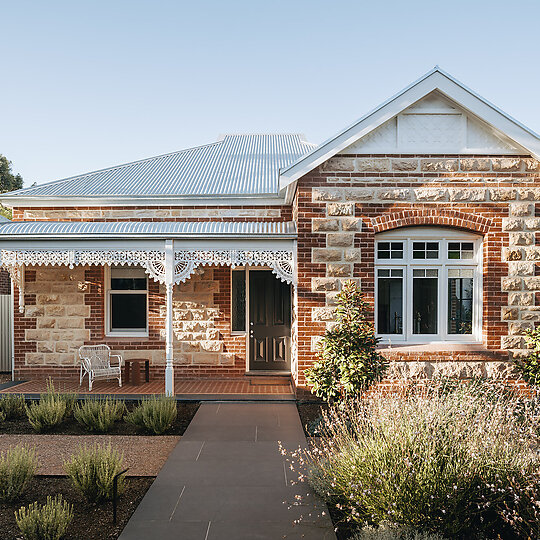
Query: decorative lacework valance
(153, 261)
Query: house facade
(226, 259)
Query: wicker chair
(96, 361)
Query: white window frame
(444, 236)
(108, 291)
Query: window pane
(460, 304)
(128, 312)
(238, 300)
(425, 250)
(125, 278)
(390, 250)
(390, 306)
(425, 304)
(460, 250)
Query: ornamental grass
(460, 460)
(99, 415)
(18, 466)
(45, 522)
(155, 414)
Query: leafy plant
(17, 467)
(348, 360)
(93, 469)
(394, 533)
(46, 414)
(530, 366)
(456, 462)
(12, 405)
(99, 415)
(45, 522)
(155, 414)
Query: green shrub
(155, 414)
(17, 467)
(11, 405)
(99, 414)
(394, 533)
(92, 471)
(348, 360)
(46, 414)
(45, 522)
(2, 417)
(68, 398)
(453, 462)
(529, 368)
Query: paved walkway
(226, 480)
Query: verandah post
(169, 284)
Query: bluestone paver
(227, 479)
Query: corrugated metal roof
(150, 229)
(236, 165)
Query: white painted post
(169, 284)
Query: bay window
(428, 285)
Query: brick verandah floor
(256, 386)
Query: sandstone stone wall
(348, 199)
(66, 309)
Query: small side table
(134, 365)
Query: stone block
(522, 268)
(206, 286)
(521, 299)
(352, 255)
(502, 194)
(531, 283)
(319, 194)
(340, 209)
(45, 346)
(38, 335)
(226, 359)
(530, 316)
(77, 311)
(404, 164)
(372, 164)
(351, 224)
(322, 314)
(512, 224)
(439, 165)
(532, 224)
(343, 239)
(531, 164)
(521, 209)
(511, 342)
(183, 359)
(324, 225)
(394, 194)
(430, 194)
(181, 315)
(475, 164)
(509, 314)
(522, 238)
(331, 298)
(506, 164)
(69, 322)
(47, 299)
(466, 194)
(358, 194)
(532, 253)
(206, 358)
(323, 284)
(211, 346)
(34, 311)
(529, 194)
(339, 270)
(315, 340)
(338, 164)
(46, 322)
(511, 284)
(326, 255)
(62, 346)
(511, 254)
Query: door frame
(248, 315)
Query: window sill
(446, 346)
(142, 335)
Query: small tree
(530, 366)
(348, 360)
(8, 182)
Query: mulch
(90, 521)
(144, 455)
(21, 426)
(310, 411)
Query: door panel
(270, 322)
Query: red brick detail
(432, 216)
(5, 282)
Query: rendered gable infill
(434, 81)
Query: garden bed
(90, 521)
(21, 426)
(309, 412)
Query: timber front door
(269, 322)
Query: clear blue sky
(87, 85)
